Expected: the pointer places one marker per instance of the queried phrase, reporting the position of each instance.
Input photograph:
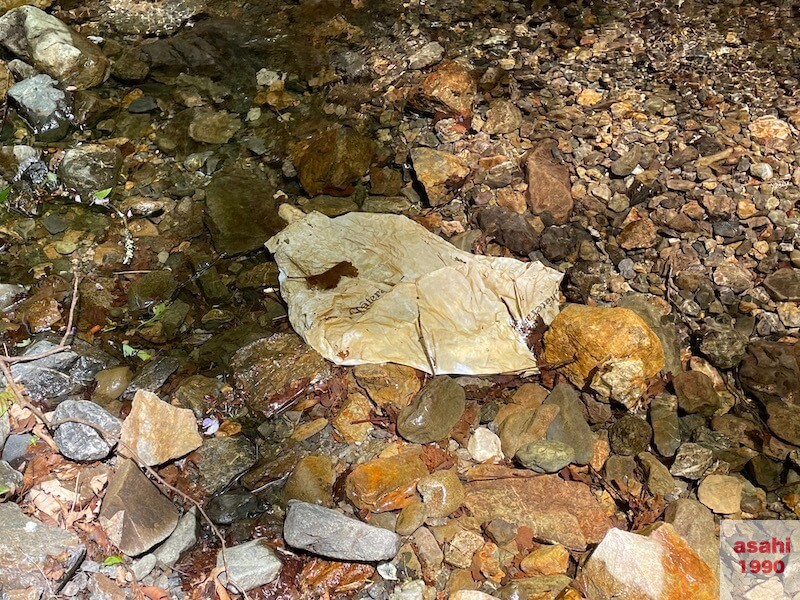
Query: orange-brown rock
(439, 173)
(549, 188)
(450, 89)
(558, 511)
(388, 384)
(771, 132)
(601, 343)
(352, 421)
(385, 484)
(654, 564)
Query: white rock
(485, 445)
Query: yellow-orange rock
(388, 384)
(606, 346)
(655, 564)
(450, 89)
(385, 484)
(352, 421)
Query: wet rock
(721, 493)
(333, 161)
(249, 565)
(213, 127)
(9, 293)
(433, 412)
(691, 461)
(546, 560)
(81, 442)
(509, 229)
(10, 479)
(158, 431)
(26, 546)
(135, 514)
(385, 484)
(770, 371)
(53, 48)
(152, 288)
(231, 506)
(545, 456)
(629, 435)
(241, 212)
(784, 284)
(196, 392)
(549, 187)
(311, 481)
(43, 106)
(411, 518)
(220, 459)
(450, 89)
(428, 55)
(664, 420)
(558, 511)
(388, 384)
(484, 445)
(765, 472)
(696, 393)
(613, 341)
(352, 420)
(569, 425)
(111, 383)
(329, 533)
(90, 169)
(502, 117)
(695, 524)
(442, 493)
(281, 364)
(179, 541)
(724, 347)
(631, 566)
(440, 173)
(154, 374)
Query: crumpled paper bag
(412, 298)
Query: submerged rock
(90, 169)
(333, 161)
(440, 173)
(549, 187)
(43, 106)
(450, 89)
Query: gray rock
(659, 480)
(9, 291)
(52, 47)
(629, 435)
(329, 533)
(16, 447)
(141, 568)
(232, 506)
(664, 420)
(691, 461)
(762, 171)
(220, 459)
(545, 456)
(80, 442)
(784, 284)
(89, 169)
(649, 308)
(625, 164)
(26, 545)
(43, 106)
(154, 374)
(5, 429)
(695, 523)
(179, 541)
(724, 347)
(433, 412)
(250, 565)
(10, 478)
(570, 425)
(428, 55)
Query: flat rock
(605, 339)
(721, 493)
(158, 431)
(281, 364)
(449, 89)
(220, 459)
(385, 484)
(696, 393)
(81, 442)
(569, 425)
(655, 564)
(26, 546)
(311, 480)
(179, 541)
(695, 523)
(564, 512)
(53, 48)
(770, 371)
(784, 284)
(509, 229)
(549, 187)
(388, 384)
(433, 412)
(664, 421)
(333, 161)
(10, 479)
(502, 117)
(440, 173)
(135, 514)
(545, 456)
(89, 169)
(43, 106)
(250, 565)
(329, 533)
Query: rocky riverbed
(165, 432)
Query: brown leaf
(330, 279)
(155, 593)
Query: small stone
(784, 284)
(311, 480)
(411, 518)
(442, 493)
(696, 393)
(546, 560)
(333, 160)
(569, 425)
(664, 420)
(589, 97)
(428, 55)
(545, 456)
(433, 412)
(450, 89)
(691, 461)
(762, 171)
(502, 117)
(385, 484)
(734, 276)
(724, 347)
(440, 173)
(632, 566)
(81, 442)
(220, 459)
(784, 421)
(721, 493)
(158, 431)
(213, 127)
(231, 506)
(10, 479)
(638, 234)
(195, 392)
(594, 335)
(43, 106)
(90, 169)
(771, 132)
(249, 565)
(179, 541)
(352, 420)
(509, 229)
(329, 533)
(549, 187)
(629, 435)
(388, 384)
(135, 514)
(525, 426)
(484, 445)
(462, 548)
(659, 479)
(625, 164)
